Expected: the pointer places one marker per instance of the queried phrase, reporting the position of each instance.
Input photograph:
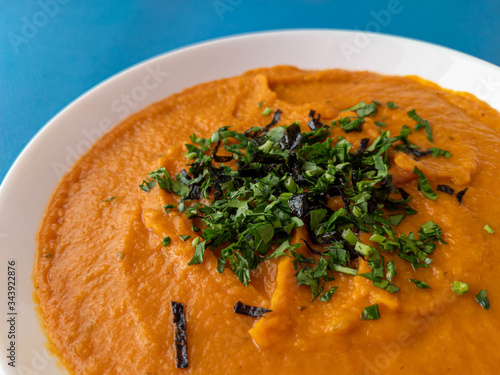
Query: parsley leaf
(483, 300)
(421, 284)
(325, 297)
(199, 254)
(488, 229)
(460, 287)
(370, 313)
(423, 185)
(437, 152)
(421, 124)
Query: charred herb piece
(254, 312)
(445, 189)
(180, 334)
(460, 195)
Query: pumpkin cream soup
(281, 222)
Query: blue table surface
(51, 51)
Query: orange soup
(111, 259)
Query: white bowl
(32, 179)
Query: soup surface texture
(104, 282)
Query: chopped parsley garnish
(423, 184)
(421, 284)
(254, 312)
(488, 229)
(460, 287)
(147, 185)
(267, 111)
(483, 300)
(380, 124)
(109, 200)
(445, 189)
(370, 313)
(168, 207)
(421, 124)
(184, 237)
(274, 179)
(260, 104)
(437, 152)
(166, 241)
(391, 105)
(327, 295)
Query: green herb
(423, 185)
(437, 152)
(391, 270)
(184, 237)
(147, 185)
(260, 104)
(483, 300)
(421, 124)
(460, 287)
(380, 124)
(421, 284)
(370, 313)
(349, 125)
(391, 105)
(327, 295)
(47, 256)
(194, 228)
(267, 111)
(110, 199)
(168, 207)
(166, 241)
(199, 253)
(488, 229)
(282, 180)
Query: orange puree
(105, 291)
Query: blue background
(80, 43)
